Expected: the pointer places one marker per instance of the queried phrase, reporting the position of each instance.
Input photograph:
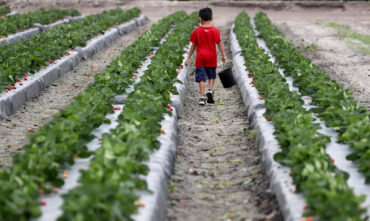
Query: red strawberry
(3, 36)
(261, 98)
(252, 82)
(252, 85)
(18, 79)
(332, 160)
(267, 118)
(146, 59)
(25, 79)
(179, 67)
(139, 66)
(249, 74)
(43, 202)
(56, 190)
(169, 105)
(30, 130)
(116, 108)
(171, 108)
(21, 83)
(6, 91)
(163, 131)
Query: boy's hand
(187, 62)
(224, 59)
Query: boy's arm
(222, 49)
(191, 51)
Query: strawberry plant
(4, 10)
(335, 105)
(30, 55)
(303, 149)
(19, 22)
(115, 172)
(54, 147)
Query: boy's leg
(211, 74)
(202, 86)
(211, 83)
(201, 78)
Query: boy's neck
(206, 23)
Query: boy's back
(206, 38)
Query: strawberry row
(335, 104)
(303, 150)
(4, 10)
(21, 22)
(115, 174)
(56, 145)
(21, 58)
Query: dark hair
(206, 14)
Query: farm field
(274, 147)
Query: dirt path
(229, 182)
(39, 111)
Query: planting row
(334, 104)
(21, 22)
(303, 149)
(115, 173)
(29, 56)
(4, 11)
(56, 145)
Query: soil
(40, 110)
(228, 182)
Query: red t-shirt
(206, 38)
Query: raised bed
(289, 134)
(57, 145)
(32, 85)
(21, 22)
(27, 34)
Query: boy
(205, 38)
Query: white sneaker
(202, 101)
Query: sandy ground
(229, 182)
(13, 130)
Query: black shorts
(204, 73)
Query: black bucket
(227, 78)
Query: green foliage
(30, 55)
(53, 147)
(18, 22)
(335, 105)
(4, 10)
(324, 186)
(118, 165)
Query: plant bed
(303, 150)
(334, 104)
(134, 139)
(54, 147)
(21, 22)
(31, 85)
